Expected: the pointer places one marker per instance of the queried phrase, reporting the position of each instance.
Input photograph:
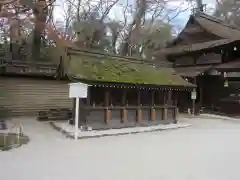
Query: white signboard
(193, 95)
(78, 90)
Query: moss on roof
(109, 69)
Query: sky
(181, 19)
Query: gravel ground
(208, 150)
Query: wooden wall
(25, 96)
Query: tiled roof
(217, 26)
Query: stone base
(69, 130)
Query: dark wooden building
(125, 91)
(207, 53)
(27, 87)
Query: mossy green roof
(111, 69)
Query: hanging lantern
(226, 83)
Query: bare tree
(150, 20)
(228, 11)
(139, 26)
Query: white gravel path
(208, 150)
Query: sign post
(76, 118)
(77, 90)
(193, 97)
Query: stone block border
(68, 130)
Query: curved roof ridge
(217, 20)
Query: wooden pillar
(164, 98)
(139, 114)
(89, 96)
(74, 108)
(82, 111)
(169, 102)
(88, 104)
(139, 110)
(165, 113)
(124, 111)
(107, 110)
(108, 115)
(176, 113)
(175, 103)
(153, 96)
(107, 98)
(153, 112)
(201, 97)
(169, 97)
